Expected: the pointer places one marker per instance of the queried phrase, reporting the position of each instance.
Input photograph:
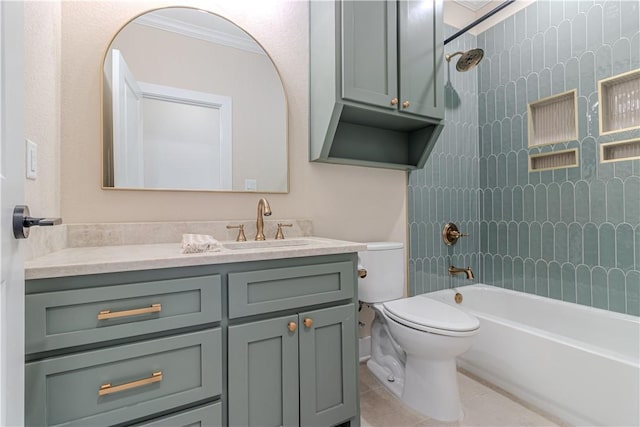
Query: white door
(128, 163)
(187, 138)
(11, 194)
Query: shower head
(468, 59)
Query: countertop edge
(54, 265)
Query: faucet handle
(241, 237)
(457, 234)
(279, 233)
(451, 234)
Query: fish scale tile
(571, 234)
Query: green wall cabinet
(376, 81)
(204, 345)
(294, 370)
(370, 68)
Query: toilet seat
(429, 315)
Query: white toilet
(414, 341)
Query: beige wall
(344, 202)
(42, 103)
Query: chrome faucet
(467, 271)
(263, 209)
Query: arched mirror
(192, 102)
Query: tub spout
(467, 271)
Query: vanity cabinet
(306, 353)
(376, 81)
(309, 354)
(208, 344)
(112, 348)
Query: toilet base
(431, 388)
(421, 364)
(395, 384)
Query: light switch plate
(31, 166)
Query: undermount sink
(266, 244)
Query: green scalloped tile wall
(448, 187)
(571, 234)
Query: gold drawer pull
(105, 389)
(107, 314)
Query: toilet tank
(384, 262)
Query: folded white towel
(197, 243)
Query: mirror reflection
(192, 102)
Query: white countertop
(110, 259)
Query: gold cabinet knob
(405, 104)
(362, 273)
(292, 326)
(394, 101)
(308, 322)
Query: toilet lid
(429, 315)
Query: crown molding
(198, 32)
(474, 5)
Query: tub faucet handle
(458, 235)
(451, 234)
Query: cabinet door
(328, 366)
(263, 373)
(421, 57)
(369, 52)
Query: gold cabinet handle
(405, 104)
(362, 273)
(394, 101)
(108, 314)
(292, 326)
(105, 389)
(308, 322)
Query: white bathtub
(578, 363)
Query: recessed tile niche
(619, 102)
(555, 160)
(553, 119)
(620, 150)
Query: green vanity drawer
(71, 318)
(264, 291)
(206, 416)
(65, 390)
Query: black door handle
(22, 221)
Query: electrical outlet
(250, 185)
(31, 166)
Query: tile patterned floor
(482, 406)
